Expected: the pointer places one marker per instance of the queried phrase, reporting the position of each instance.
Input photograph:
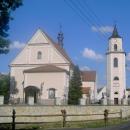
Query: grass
(83, 124)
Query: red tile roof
(88, 75)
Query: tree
(75, 92)
(6, 7)
(4, 87)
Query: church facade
(41, 72)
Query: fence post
(105, 117)
(121, 114)
(64, 117)
(13, 119)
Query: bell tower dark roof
(115, 33)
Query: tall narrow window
(51, 93)
(115, 62)
(115, 47)
(39, 55)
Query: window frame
(115, 62)
(39, 55)
(51, 93)
(115, 47)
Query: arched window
(39, 55)
(51, 93)
(115, 62)
(116, 78)
(115, 47)
(116, 93)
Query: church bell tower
(116, 75)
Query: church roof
(88, 75)
(45, 68)
(63, 52)
(115, 33)
(59, 48)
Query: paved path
(118, 127)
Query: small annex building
(89, 86)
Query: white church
(40, 73)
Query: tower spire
(60, 37)
(115, 33)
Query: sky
(86, 24)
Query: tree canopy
(75, 92)
(6, 7)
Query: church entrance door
(116, 101)
(31, 94)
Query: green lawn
(83, 124)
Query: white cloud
(128, 57)
(102, 29)
(84, 68)
(91, 54)
(17, 45)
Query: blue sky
(85, 36)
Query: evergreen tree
(6, 7)
(75, 92)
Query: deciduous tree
(6, 7)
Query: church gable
(22, 57)
(41, 43)
(38, 37)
